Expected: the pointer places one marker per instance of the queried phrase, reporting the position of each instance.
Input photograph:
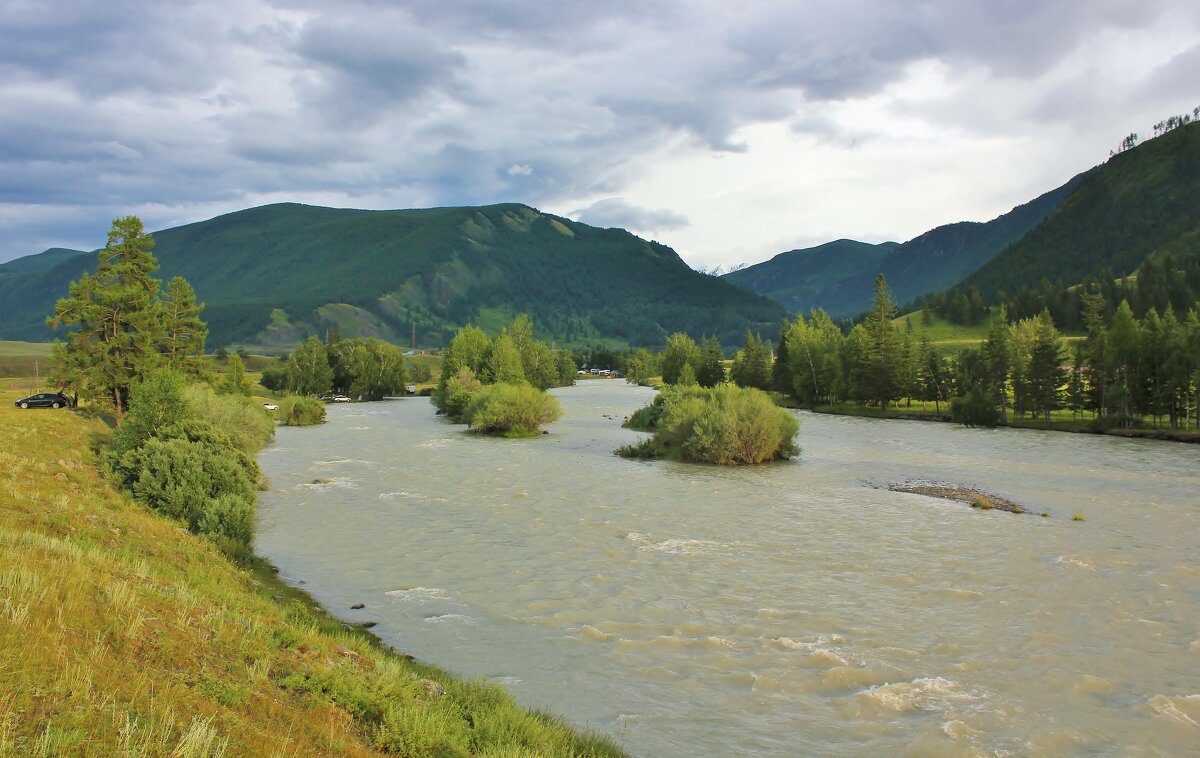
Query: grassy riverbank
(1060, 421)
(123, 634)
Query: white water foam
(453, 618)
(419, 594)
(1183, 709)
(924, 694)
(808, 645)
(1070, 560)
(690, 547)
(400, 494)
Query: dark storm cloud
(104, 47)
(173, 109)
(366, 66)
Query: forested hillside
(271, 275)
(839, 277)
(1142, 202)
(826, 276)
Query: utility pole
(413, 345)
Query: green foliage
(188, 453)
(118, 319)
(248, 425)
(680, 350)
(468, 350)
(503, 362)
(726, 425)
(514, 410)
(309, 372)
(752, 367)
(474, 364)
(300, 410)
(460, 389)
(878, 372)
(183, 331)
(642, 366)
(369, 369)
(233, 381)
(687, 377)
(974, 409)
(711, 370)
(274, 378)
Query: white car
(270, 406)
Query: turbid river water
(788, 609)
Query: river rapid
(789, 609)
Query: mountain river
(796, 608)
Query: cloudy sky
(729, 130)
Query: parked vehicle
(45, 400)
(339, 399)
(271, 406)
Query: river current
(797, 608)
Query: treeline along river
(795, 608)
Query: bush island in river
(300, 410)
(725, 424)
(497, 386)
(514, 410)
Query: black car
(44, 400)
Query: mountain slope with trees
(273, 274)
(1131, 232)
(824, 276)
(839, 277)
(1142, 201)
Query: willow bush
(300, 410)
(511, 410)
(726, 425)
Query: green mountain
(33, 263)
(839, 276)
(271, 275)
(1142, 202)
(824, 276)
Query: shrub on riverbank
(974, 409)
(726, 425)
(172, 458)
(511, 410)
(300, 410)
(248, 425)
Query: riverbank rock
(976, 498)
(432, 688)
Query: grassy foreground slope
(123, 634)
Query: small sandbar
(976, 498)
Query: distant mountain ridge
(1143, 202)
(839, 276)
(272, 274)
